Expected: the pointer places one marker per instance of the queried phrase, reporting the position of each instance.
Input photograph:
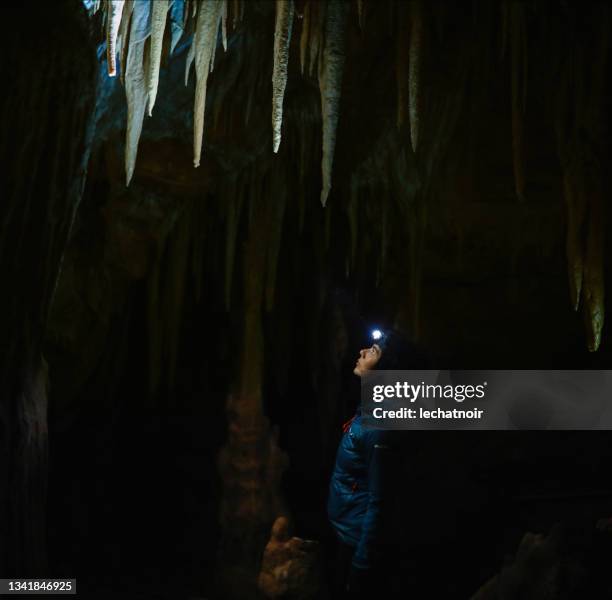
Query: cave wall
(47, 128)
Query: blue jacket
(361, 502)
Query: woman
(362, 500)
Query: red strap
(346, 425)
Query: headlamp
(377, 335)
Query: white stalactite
(330, 84)
(135, 86)
(224, 25)
(113, 20)
(205, 39)
(189, 61)
(124, 28)
(282, 40)
(159, 12)
(360, 13)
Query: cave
(207, 207)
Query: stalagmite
(414, 72)
(204, 40)
(159, 12)
(330, 84)
(282, 40)
(135, 89)
(304, 36)
(113, 20)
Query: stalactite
(414, 72)
(113, 20)
(517, 32)
(330, 83)
(402, 40)
(135, 88)
(575, 216)
(124, 37)
(159, 12)
(360, 8)
(593, 269)
(224, 25)
(235, 12)
(595, 121)
(317, 23)
(282, 40)
(304, 37)
(214, 48)
(188, 62)
(204, 40)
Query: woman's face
(368, 357)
